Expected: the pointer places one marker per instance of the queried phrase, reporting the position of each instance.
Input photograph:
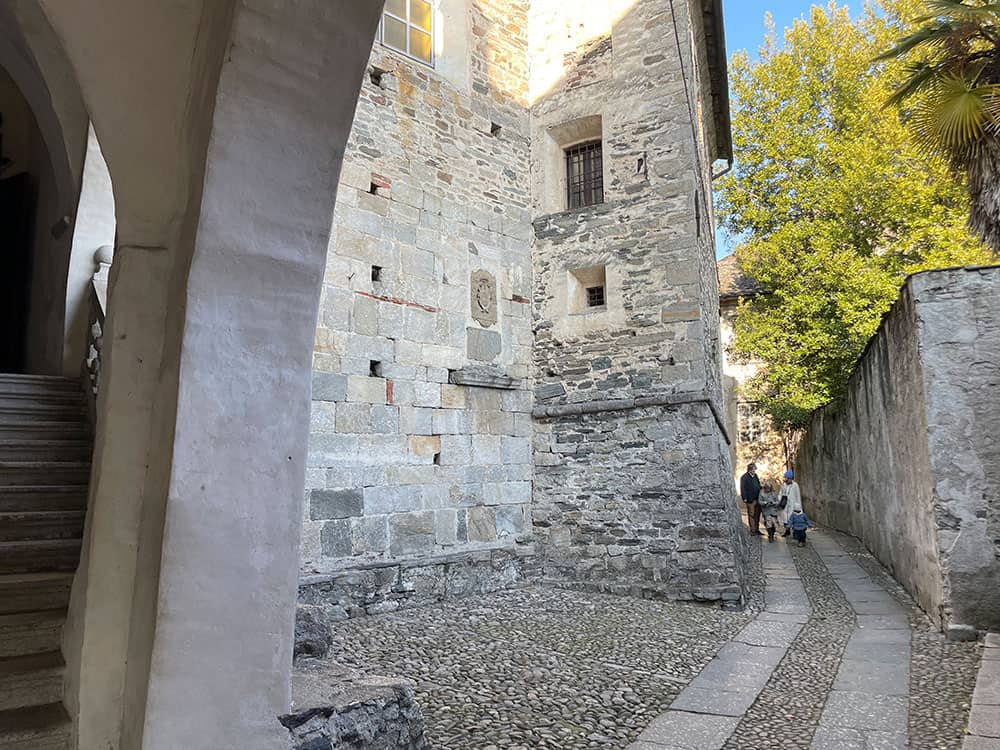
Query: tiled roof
(732, 282)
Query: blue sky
(745, 30)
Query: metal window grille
(584, 175)
(407, 27)
(595, 296)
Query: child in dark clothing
(771, 510)
(798, 522)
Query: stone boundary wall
(371, 590)
(910, 463)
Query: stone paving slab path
(708, 711)
(825, 666)
(984, 720)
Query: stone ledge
(336, 707)
(639, 402)
(389, 586)
(728, 596)
(484, 377)
(476, 555)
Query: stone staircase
(45, 450)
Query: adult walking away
(790, 499)
(750, 494)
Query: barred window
(752, 423)
(584, 175)
(595, 296)
(407, 28)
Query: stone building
(502, 213)
(754, 438)
(516, 371)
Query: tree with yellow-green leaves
(833, 201)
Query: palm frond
(933, 35)
(919, 77)
(959, 9)
(955, 116)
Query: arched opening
(224, 143)
(37, 194)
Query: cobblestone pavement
(539, 667)
(801, 668)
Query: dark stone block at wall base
(312, 636)
(335, 707)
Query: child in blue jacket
(798, 522)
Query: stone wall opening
(560, 137)
(587, 290)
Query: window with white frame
(407, 27)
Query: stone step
(42, 524)
(40, 556)
(44, 472)
(41, 497)
(44, 727)
(78, 449)
(42, 397)
(33, 680)
(44, 429)
(37, 384)
(24, 633)
(24, 409)
(34, 592)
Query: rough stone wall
(910, 463)
(959, 314)
(864, 467)
(633, 486)
(421, 429)
(335, 707)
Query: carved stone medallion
(483, 288)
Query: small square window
(584, 175)
(375, 369)
(407, 27)
(376, 273)
(587, 290)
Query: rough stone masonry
(476, 421)
(910, 462)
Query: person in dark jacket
(798, 522)
(750, 494)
